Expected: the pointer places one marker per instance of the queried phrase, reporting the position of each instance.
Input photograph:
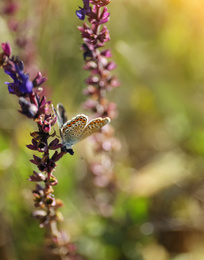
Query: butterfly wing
(58, 115)
(62, 112)
(72, 130)
(94, 126)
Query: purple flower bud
(38, 80)
(92, 80)
(90, 65)
(41, 163)
(90, 90)
(50, 165)
(56, 156)
(104, 35)
(6, 48)
(103, 18)
(37, 176)
(111, 65)
(33, 146)
(50, 200)
(83, 11)
(28, 109)
(53, 180)
(43, 105)
(106, 53)
(54, 144)
(104, 15)
(36, 160)
(114, 82)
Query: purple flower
(83, 11)
(21, 84)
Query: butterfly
(78, 128)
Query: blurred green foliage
(157, 212)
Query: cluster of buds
(96, 61)
(105, 145)
(37, 108)
(100, 80)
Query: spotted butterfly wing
(94, 126)
(77, 128)
(72, 130)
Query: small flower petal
(6, 47)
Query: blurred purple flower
(106, 53)
(10, 8)
(83, 10)
(13, 25)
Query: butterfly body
(78, 128)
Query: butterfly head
(67, 150)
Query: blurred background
(158, 206)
